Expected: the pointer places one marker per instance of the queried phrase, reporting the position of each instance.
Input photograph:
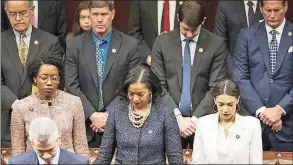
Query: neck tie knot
(100, 42)
(22, 36)
(249, 3)
(273, 32)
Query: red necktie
(48, 163)
(166, 16)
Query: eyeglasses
(55, 79)
(21, 14)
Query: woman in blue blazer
(143, 130)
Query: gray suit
(14, 80)
(208, 68)
(65, 157)
(81, 75)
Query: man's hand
(186, 126)
(271, 115)
(98, 121)
(148, 60)
(277, 126)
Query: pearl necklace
(138, 119)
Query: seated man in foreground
(44, 136)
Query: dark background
(122, 8)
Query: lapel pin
(290, 34)
(31, 109)
(114, 50)
(150, 131)
(200, 50)
(36, 42)
(237, 136)
(180, 3)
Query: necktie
(22, 50)
(165, 17)
(250, 12)
(185, 102)
(100, 69)
(48, 163)
(273, 50)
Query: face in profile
(139, 95)
(46, 150)
(274, 12)
(226, 106)
(101, 20)
(47, 80)
(84, 20)
(19, 14)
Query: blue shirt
(103, 47)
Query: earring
(215, 108)
(35, 84)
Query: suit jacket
(157, 138)
(208, 68)
(230, 18)
(81, 75)
(14, 80)
(143, 22)
(66, 157)
(51, 18)
(247, 149)
(252, 72)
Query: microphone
(49, 104)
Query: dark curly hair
(141, 74)
(46, 57)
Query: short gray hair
(42, 129)
(31, 3)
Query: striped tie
(250, 12)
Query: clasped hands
(272, 117)
(98, 121)
(186, 126)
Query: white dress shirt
(27, 37)
(172, 7)
(36, 12)
(247, 7)
(55, 159)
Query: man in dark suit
(231, 17)
(263, 67)
(44, 137)
(95, 61)
(49, 16)
(147, 20)
(19, 46)
(189, 62)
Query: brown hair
(101, 3)
(76, 29)
(226, 87)
(191, 13)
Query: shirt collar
(278, 29)
(55, 160)
(27, 33)
(253, 1)
(195, 39)
(106, 38)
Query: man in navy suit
(44, 136)
(263, 69)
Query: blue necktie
(100, 70)
(273, 50)
(185, 103)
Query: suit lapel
(213, 131)
(239, 10)
(176, 23)
(237, 139)
(62, 157)
(201, 44)
(257, 16)
(285, 43)
(112, 52)
(154, 14)
(13, 52)
(262, 39)
(88, 48)
(177, 51)
(33, 159)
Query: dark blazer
(51, 18)
(157, 138)
(252, 72)
(14, 80)
(81, 77)
(143, 22)
(208, 68)
(230, 18)
(65, 157)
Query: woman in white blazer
(227, 137)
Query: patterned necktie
(273, 50)
(250, 12)
(22, 49)
(100, 67)
(185, 102)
